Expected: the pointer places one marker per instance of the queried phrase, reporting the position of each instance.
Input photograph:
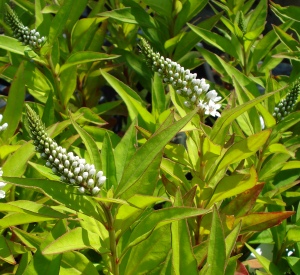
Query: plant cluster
(141, 138)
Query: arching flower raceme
(71, 168)
(194, 90)
(287, 105)
(21, 32)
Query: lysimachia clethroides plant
(71, 168)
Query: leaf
(108, 163)
(149, 254)
(83, 57)
(158, 97)
(22, 218)
(243, 149)
(125, 150)
(293, 235)
(158, 219)
(268, 266)
(182, 257)
(76, 263)
(261, 221)
(294, 264)
(244, 202)
(59, 21)
(16, 164)
(216, 40)
(145, 155)
(68, 84)
(133, 102)
(123, 15)
(5, 252)
(287, 39)
(222, 123)
(47, 264)
(61, 193)
(289, 12)
(233, 185)
(231, 240)
(13, 111)
(216, 256)
(13, 45)
(75, 239)
(90, 145)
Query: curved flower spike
(194, 90)
(21, 32)
(71, 168)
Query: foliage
(185, 191)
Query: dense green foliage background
(185, 193)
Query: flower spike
(195, 91)
(287, 105)
(21, 32)
(71, 168)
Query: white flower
(2, 194)
(213, 95)
(2, 184)
(211, 109)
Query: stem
(112, 240)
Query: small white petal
(81, 189)
(95, 190)
(2, 184)
(2, 194)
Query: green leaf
(22, 218)
(188, 40)
(125, 150)
(61, 193)
(216, 40)
(131, 16)
(243, 203)
(90, 145)
(145, 155)
(231, 240)
(148, 255)
(233, 185)
(158, 219)
(108, 163)
(15, 101)
(30, 207)
(5, 252)
(293, 235)
(222, 123)
(59, 21)
(158, 97)
(261, 221)
(76, 263)
(243, 149)
(216, 257)
(268, 266)
(182, 256)
(289, 12)
(13, 45)
(75, 239)
(43, 264)
(136, 107)
(83, 57)
(16, 164)
(68, 84)
(287, 39)
(294, 264)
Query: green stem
(112, 240)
